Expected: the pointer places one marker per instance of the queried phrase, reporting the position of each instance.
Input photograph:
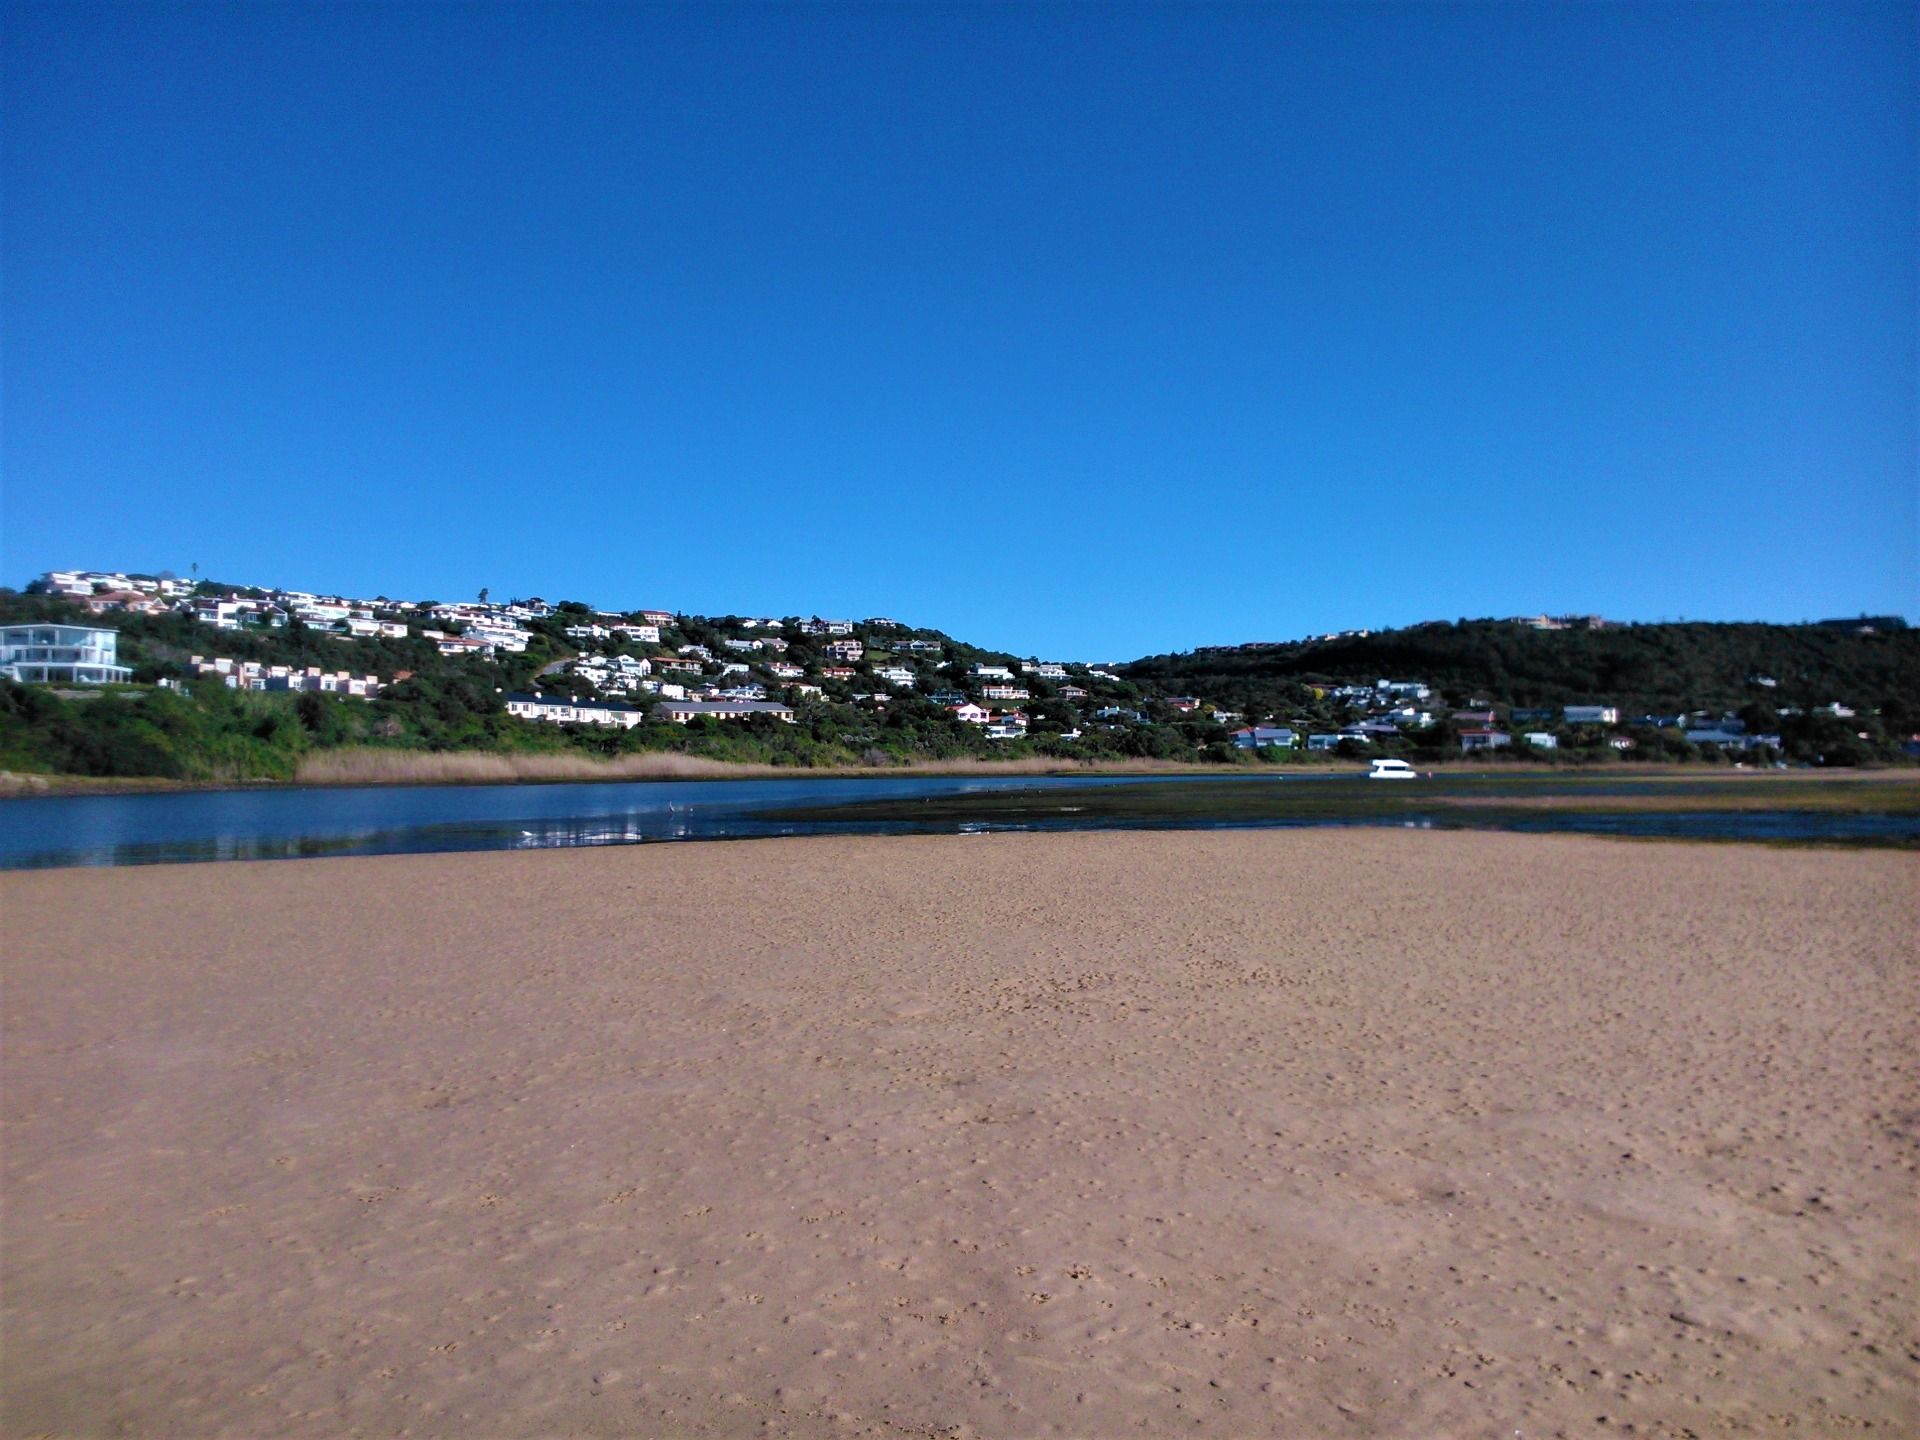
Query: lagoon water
(297, 822)
(285, 823)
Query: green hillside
(172, 722)
(1640, 668)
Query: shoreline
(17, 785)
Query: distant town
(875, 685)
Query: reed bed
(372, 766)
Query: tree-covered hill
(900, 699)
(1668, 668)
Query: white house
(1005, 692)
(1541, 740)
(62, 654)
(990, 672)
(565, 710)
(971, 713)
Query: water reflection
(296, 824)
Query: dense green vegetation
(1645, 670)
(199, 729)
(1640, 668)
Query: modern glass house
(65, 654)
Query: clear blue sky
(1075, 330)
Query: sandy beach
(1260, 1133)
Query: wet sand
(1230, 1134)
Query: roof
(725, 707)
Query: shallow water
(294, 823)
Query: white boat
(1392, 770)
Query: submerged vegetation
(1887, 811)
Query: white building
(682, 711)
(62, 654)
(565, 710)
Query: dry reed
(370, 766)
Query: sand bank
(1230, 1134)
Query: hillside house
(1591, 714)
(1263, 737)
(62, 654)
(134, 602)
(1473, 740)
(565, 710)
(680, 712)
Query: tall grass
(373, 766)
(368, 766)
